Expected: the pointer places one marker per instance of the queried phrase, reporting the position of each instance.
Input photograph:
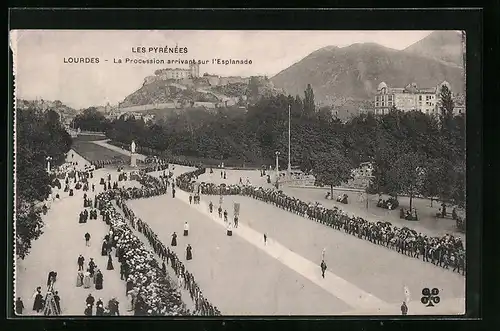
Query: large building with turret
(411, 97)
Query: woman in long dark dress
(38, 304)
(174, 239)
(189, 254)
(104, 249)
(98, 280)
(110, 263)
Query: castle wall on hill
(148, 107)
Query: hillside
(445, 46)
(66, 113)
(223, 91)
(352, 73)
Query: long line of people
(147, 286)
(446, 251)
(202, 305)
(151, 186)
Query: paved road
(373, 283)
(58, 249)
(236, 276)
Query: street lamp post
(289, 144)
(48, 163)
(277, 167)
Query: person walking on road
(81, 260)
(19, 306)
(189, 254)
(265, 239)
(186, 229)
(57, 300)
(323, 268)
(404, 309)
(87, 239)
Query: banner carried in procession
(236, 209)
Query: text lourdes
(165, 50)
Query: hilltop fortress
(191, 76)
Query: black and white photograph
(239, 172)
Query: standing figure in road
(110, 263)
(38, 304)
(86, 280)
(57, 300)
(265, 239)
(220, 211)
(19, 306)
(186, 229)
(98, 280)
(211, 207)
(189, 254)
(104, 248)
(225, 216)
(323, 268)
(87, 239)
(174, 239)
(79, 278)
(190, 199)
(404, 309)
(235, 221)
(173, 192)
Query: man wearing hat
(186, 229)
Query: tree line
(412, 153)
(38, 135)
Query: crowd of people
(202, 305)
(148, 288)
(447, 251)
(148, 283)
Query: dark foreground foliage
(38, 135)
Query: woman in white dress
(86, 280)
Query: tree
(438, 179)
(406, 174)
(309, 106)
(39, 135)
(446, 106)
(331, 168)
(91, 120)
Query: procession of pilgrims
(148, 288)
(140, 298)
(446, 251)
(169, 257)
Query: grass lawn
(93, 152)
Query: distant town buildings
(412, 97)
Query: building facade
(409, 98)
(175, 73)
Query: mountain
(351, 74)
(445, 46)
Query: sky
(41, 72)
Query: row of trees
(91, 120)
(39, 135)
(412, 153)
